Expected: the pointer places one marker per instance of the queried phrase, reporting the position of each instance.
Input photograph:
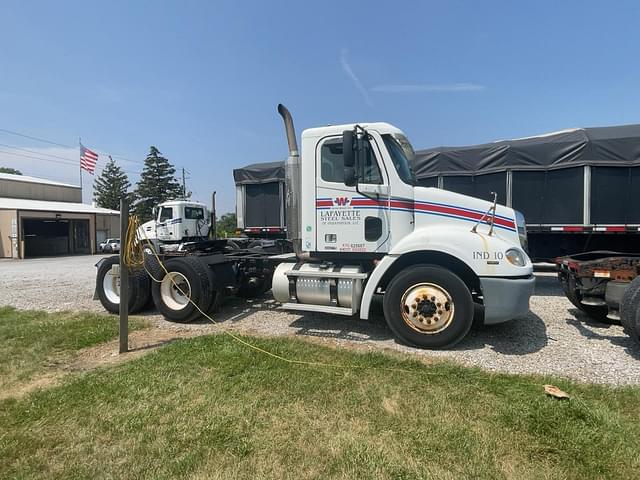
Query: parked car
(110, 245)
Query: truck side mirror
(349, 157)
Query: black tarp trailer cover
(548, 179)
(260, 199)
(583, 181)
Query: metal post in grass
(124, 278)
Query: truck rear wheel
(571, 292)
(186, 283)
(428, 306)
(108, 287)
(630, 310)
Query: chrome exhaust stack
(293, 183)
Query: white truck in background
(360, 228)
(176, 222)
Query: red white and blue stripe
(416, 206)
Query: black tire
(201, 284)
(155, 272)
(410, 280)
(139, 288)
(571, 292)
(630, 310)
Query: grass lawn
(31, 340)
(209, 407)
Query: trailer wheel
(630, 310)
(428, 306)
(187, 281)
(108, 287)
(572, 293)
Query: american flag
(88, 159)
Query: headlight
(516, 257)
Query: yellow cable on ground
(133, 253)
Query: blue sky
(201, 80)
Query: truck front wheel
(428, 306)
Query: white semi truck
(176, 222)
(360, 229)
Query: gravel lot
(553, 339)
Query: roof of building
(28, 179)
(46, 206)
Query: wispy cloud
(344, 53)
(429, 87)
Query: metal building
(40, 217)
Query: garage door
(45, 237)
(49, 237)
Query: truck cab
(361, 228)
(177, 221)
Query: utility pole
(184, 186)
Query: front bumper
(505, 298)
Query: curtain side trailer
(577, 188)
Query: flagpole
(80, 163)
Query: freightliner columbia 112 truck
(360, 228)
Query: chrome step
(306, 307)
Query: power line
(64, 162)
(39, 158)
(11, 132)
(50, 142)
(37, 153)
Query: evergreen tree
(10, 170)
(110, 186)
(157, 184)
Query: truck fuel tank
(324, 284)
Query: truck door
(351, 219)
(167, 224)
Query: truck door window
(166, 214)
(332, 164)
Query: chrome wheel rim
(175, 290)
(111, 285)
(427, 308)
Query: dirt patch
(141, 342)
(41, 382)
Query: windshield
(401, 154)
